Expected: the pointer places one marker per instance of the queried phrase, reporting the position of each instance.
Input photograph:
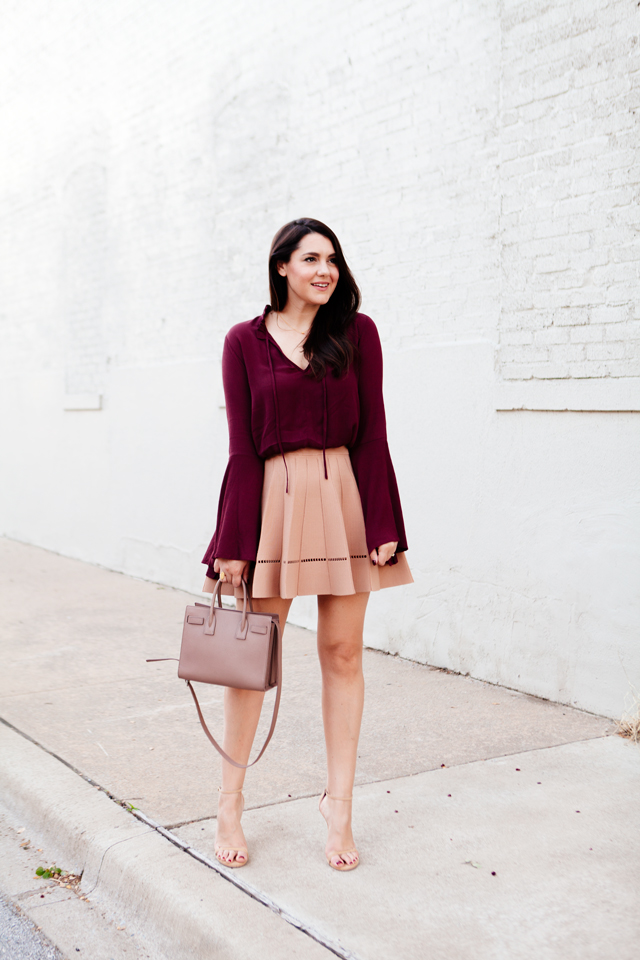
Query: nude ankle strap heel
(219, 848)
(340, 854)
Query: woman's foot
(231, 846)
(340, 851)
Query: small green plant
(47, 872)
(60, 877)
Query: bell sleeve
(239, 507)
(370, 455)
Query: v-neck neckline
(288, 359)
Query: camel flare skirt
(313, 538)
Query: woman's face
(311, 272)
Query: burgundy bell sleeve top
(273, 407)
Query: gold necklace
(287, 327)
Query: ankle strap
(220, 790)
(331, 797)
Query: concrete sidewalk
(490, 824)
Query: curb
(184, 909)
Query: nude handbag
(231, 648)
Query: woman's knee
(342, 657)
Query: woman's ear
(282, 268)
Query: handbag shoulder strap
(276, 707)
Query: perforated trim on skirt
(313, 538)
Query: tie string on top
(277, 412)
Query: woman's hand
(383, 553)
(235, 571)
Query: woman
(309, 502)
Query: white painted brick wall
(570, 182)
(215, 126)
(478, 160)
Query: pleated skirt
(313, 539)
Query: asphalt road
(19, 939)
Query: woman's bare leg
(241, 714)
(340, 627)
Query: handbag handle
(246, 594)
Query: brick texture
(479, 160)
(570, 184)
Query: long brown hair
(328, 343)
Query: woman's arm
(239, 507)
(370, 456)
